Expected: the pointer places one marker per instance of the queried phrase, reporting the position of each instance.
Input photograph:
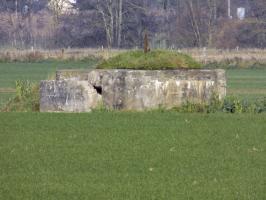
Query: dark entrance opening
(98, 89)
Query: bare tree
(212, 17)
(120, 23)
(111, 12)
(194, 22)
(105, 8)
(57, 7)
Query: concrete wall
(68, 96)
(136, 89)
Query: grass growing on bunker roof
(153, 60)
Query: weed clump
(26, 99)
(234, 105)
(151, 60)
(230, 104)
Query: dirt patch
(7, 90)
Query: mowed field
(133, 156)
(247, 84)
(116, 155)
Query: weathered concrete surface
(80, 75)
(68, 96)
(141, 90)
(80, 91)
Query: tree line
(123, 23)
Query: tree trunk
(111, 22)
(229, 9)
(120, 23)
(194, 23)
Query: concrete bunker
(121, 89)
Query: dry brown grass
(216, 55)
(11, 55)
(200, 54)
(7, 90)
(246, 91)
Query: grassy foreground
(132, 156)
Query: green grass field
(247, 83)
(132, 156)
